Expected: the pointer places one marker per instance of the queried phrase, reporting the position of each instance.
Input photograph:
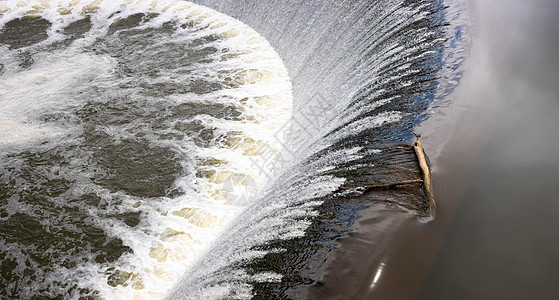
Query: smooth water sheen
(503, 242)
(130, 133)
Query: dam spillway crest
(153, 148)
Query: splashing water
(131, 132)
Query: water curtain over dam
(132, 132)
(364, 73)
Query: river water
(130, 134)
(153, 148)
(502, 242)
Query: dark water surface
(503, 242)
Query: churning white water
(154, 121)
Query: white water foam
(52, 85)
(174, 232)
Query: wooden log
(392, 184)
(426, 177)
(384, 186)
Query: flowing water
(121, 123)
(147, 141)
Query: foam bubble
(86, 84)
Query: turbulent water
(132, 132)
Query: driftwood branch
(426, 176)
(392, 184)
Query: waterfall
(213, 149)
(364, 74)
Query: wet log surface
(426, 172)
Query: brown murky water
(503, 242)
